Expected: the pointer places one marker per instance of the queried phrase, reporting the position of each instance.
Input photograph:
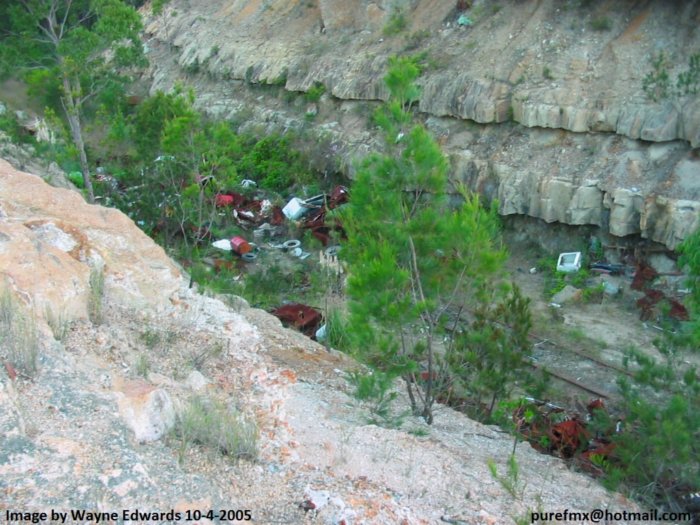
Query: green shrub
(58, 323)
(315, 92)
(657, 84)
(376, 390)
(397, 22)
(77, 179)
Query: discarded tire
(249, 257)
(332, 251)
(291, 244)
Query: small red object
(240, 245)
(222, 201)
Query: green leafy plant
(376, 390)
(486, 359)
(658, 85)
(73, 53)
(143, 365)
(58, 323)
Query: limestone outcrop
(539, 103)
(51, 242)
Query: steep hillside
(539, 103)
(87, 427)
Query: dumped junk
(569, 262)
(328, 259)
(549, 428)
(252, 211)
(655, 302)
(317, 221)
(237, 245)
(240, 246)
(302, 317)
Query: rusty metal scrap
(302, 317)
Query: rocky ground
(89, 430)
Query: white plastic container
(569, 262)
(294, 209)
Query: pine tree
(412, 258)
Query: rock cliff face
(539, 103)
(51, 242)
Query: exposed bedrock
(539, 103)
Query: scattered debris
(317, 222)
(223, 244)
(295, 209)
(302, 317)
(549, 428)
(240, 246)
(569, 262)
(610, 288)
(649, 305)
(644, 275)
(608, 268)
(464, 21)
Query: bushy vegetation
(217, 427)
(658, 84)
(74, 55)
(415, 265)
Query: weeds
(97, 289)
(374, 389)
(315, 92)
(511, 479)
(18, 336)
(58, 323)
(397, 23)
(657, 84)
(213, 424)
(337, 330)
(198, 359)
(143, 365)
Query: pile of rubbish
(313, 212)
(650, 305)
(551, 429)
(268, 221)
